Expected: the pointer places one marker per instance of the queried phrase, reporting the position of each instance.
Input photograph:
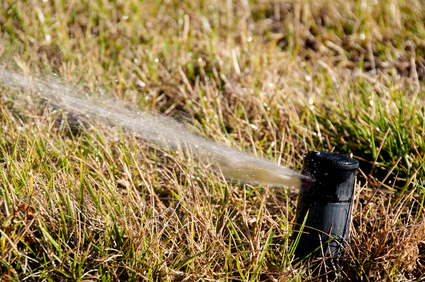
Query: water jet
(155, 128)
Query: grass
(272, 78)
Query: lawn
(83, 198)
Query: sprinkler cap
(333, 160)
(329, 173)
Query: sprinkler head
(327, 197)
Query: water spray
(156, 128)
(324, 206)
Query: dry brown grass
(274, 78)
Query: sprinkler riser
(328, 199)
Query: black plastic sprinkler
(324, 203)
